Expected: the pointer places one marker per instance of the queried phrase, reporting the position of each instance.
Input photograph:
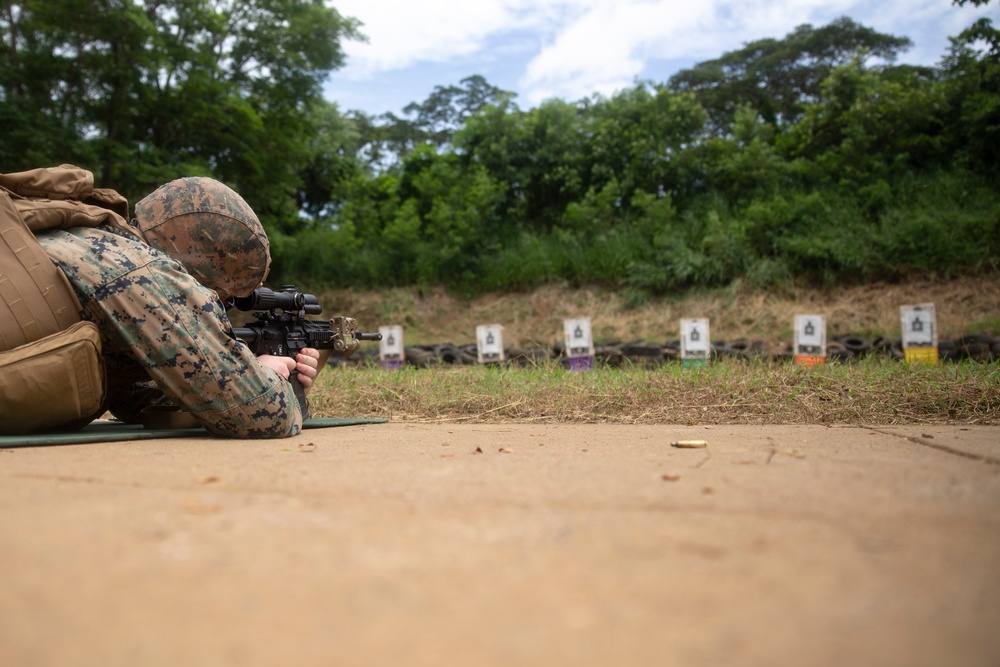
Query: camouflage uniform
(158, 323)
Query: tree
(866, 127)
(540, 157)
(332, 163)
(972, 71)
(144, 91)
(384, 140)
(387, 139)
(638, 135)
(448, 107)
(779, 78)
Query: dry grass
(726, 392)
(429, 317)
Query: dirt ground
(515, 544)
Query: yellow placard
(921, 355)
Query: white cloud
(401, 33)
(608, 47)
(573, 48)
(605, 49)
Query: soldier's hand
(283, 366)
(307, 364)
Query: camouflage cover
(157, 323)
(209, 229)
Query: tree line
(811, 157)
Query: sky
(571, 49)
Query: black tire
(448, 354)
(882, 346)
(838, 352)
(975, 351)
(856, 344)
(948, 351)
(470, 354)
(643, 349)
(975, 338)
(977, 347)
(530, 356)
(741, 345)
(749, 348)
(420, 356)
(609, 356)
(722, 350)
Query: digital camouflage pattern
(158, 323)
(211, 230)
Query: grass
(731, 391)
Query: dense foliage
(811, 157)
(144, 91)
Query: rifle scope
(288, 298)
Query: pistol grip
(300, 394)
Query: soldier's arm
(179, 333)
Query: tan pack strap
(62, 182)
(34, 299)
(65, 183)
(43, 214)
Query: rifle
(283, 330)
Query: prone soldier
(155, 291)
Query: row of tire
(845, 348)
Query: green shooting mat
(111, 431)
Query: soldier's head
(209, 229)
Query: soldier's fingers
(307, 372)
(309, 357)
(281, 365)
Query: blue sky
(571, 49)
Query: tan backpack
(51, 371)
